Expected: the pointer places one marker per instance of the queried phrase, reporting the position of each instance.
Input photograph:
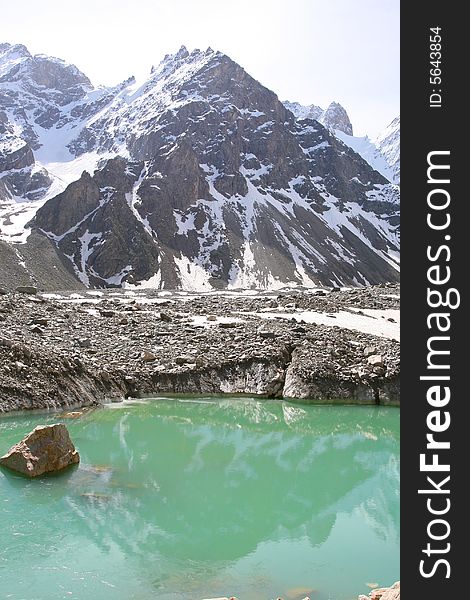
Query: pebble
(375, 360)
(27, 289)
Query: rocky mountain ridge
(381, 152)
(197, 178)
(334, 117)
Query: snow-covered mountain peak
(11, 56)
(172, 62)
(12, 52)
(166, 79)
(196, 177)
(382, 153)
(42, 71)
(182, 52)
(301, 111)
(7, 48)
(334, 117)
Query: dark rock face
(17, 159)
(95, 226)
(64, 211)
(59, 76)
(20, 179)
(26, 184)
(220, 185)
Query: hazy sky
(312, 51)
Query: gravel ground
(79, 348)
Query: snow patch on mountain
(369, 152)
(388, 144)
(383, 153)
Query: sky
(309, 51)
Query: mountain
(388, 145)
(382, 153)
(334, 117)
(197, 177)
(33, 90)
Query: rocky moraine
(81, 348)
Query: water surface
(198, 498)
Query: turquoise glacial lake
(197, 498)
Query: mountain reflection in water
(191, 496)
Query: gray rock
(266, 334)
(27, 289)
(375, 360)
(182, 360)
(40, 321)
(37, 329)
(199, 361)
(227, 325)
(387, 593)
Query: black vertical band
(434, 132)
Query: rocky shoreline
(388, 593)
(68, 348)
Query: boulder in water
(48, 448)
